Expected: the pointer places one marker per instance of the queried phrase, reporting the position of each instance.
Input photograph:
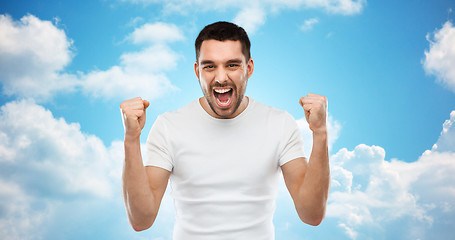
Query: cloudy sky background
(387, 68)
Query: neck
(205, 105)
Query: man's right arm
(143, 187)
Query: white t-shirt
(224, 171)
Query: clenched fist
(315, 107)
(133, 115)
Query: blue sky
(387, 68)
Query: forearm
(139, 200)
(315, 187)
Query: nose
(221, 76)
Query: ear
(250, 67)
(196, 69)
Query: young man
(223, 152)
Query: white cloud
(17, 219)
(440, 58)
(308, 24)
(152, 59)
(368, 191)
(250, 18)
(252, 14)
(139, 74)
(156, 33)
(343, 7)
(57, 182)
(134, 22)
(48, 162)
(349, 231)
(54, 151)
(32, 55)
(446, 141)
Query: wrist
(135, 139)
(320, 131)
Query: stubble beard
(208, 97)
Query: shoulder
(275, 119)
(183, 112)
(183, 116)
(167, 122)
(269, 111)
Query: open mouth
(223, 96)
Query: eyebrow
(204, 62)
(235, 60)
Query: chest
(232, 159)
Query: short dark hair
(222, 31)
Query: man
(223, 152)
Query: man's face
(223, 73)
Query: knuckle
(122, 105)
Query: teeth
(222, 90)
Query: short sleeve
(158, 152)
(293, 141)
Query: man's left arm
(308, 183)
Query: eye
(208, 67)
(233, 65)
